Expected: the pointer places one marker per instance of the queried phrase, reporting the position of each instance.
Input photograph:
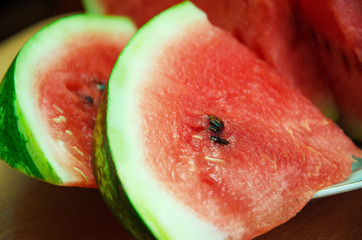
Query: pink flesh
(72, 76)
(291, 36)
(282, 149)
(272, 29)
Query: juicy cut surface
(71, 89)
(280, 149)
(274, 30)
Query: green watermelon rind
(172, 220)
(13, 144)
(108, 182)
(93, 6)
(24, 143)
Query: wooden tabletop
(34, 210)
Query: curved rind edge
(108, 182)
(16, 139)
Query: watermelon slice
(274, 30)
(50, 95)
(197, 138)
(338, 40)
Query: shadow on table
(31, 209)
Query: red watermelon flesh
(279, 152)
(71, 88)
(277, 33)
(272, 29)
(338, 24)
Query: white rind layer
(167, 217)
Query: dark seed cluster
(348, 60)
(216, 126)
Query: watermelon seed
(344, 57)
(78, 170)
(197, 137)
(68, 132)
(78, 151)
(57, 108)
(59, 119)
(89, 99)
(219, 140)
(326, 44)
(217, 125)
(101, 86)
(214, 129)
(212, 159)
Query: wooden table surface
(34, 210)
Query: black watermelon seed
(326, 44)
(345, 60)
(216, 122)
(214, 129)
(88, 99)
(219, 140)
(101, 86)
